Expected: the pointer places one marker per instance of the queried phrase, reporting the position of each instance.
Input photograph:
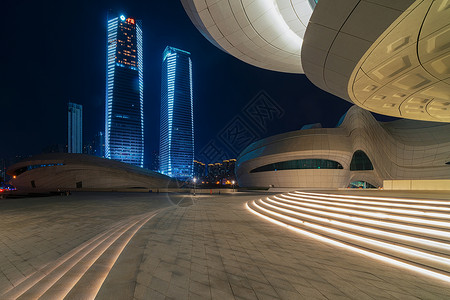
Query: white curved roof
(264, 33)
(389, 57)
(406, 72)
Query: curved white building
(264, 33)
(390, 57)
(360, 151)
(67, 171)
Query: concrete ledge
(430, 185)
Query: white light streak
(386, 245)
(379, 203)
(374, 255)
(384, 213)
(394, 226)
(380, 198)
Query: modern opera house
(388, 57)
(69, 171)
(359, 152)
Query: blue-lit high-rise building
(124, 128)
(176, 155)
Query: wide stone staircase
(410, 233)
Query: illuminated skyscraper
(177, 122)
(124, 128)
(75, 128)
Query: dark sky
(54, 51)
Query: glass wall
(299, 164)
(360, 162)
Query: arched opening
(360, 162)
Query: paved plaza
(174, 246)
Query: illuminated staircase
(410, 233)
(80, 273)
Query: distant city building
(2, 170)
(124, 128)
(96, 146)
(99, 144)
(222, 172)
(55, 148)
(155, 161)
(75, 128)
(199, 169)
(177, 126)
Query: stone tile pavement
(206, 247)
(215, 249)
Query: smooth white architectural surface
(390, 57)
(406, 72)
(403, 149)
(338, 35)
(264, 33)
(64, 171)
(416, 185)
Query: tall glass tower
(176, 154)
(124, 128)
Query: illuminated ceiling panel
(406, 72)
(389, 57)
(264, 33)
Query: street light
(194, 180)
(233, 185)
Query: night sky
(55, 51)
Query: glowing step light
(387, 233)
(325, 218)
(395, 221)
(56, 280)
(379, 213)
(352, 236)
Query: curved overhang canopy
(389, 57)
(406, 72)
(264, 33)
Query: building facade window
(299, 164)
(360, 162)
